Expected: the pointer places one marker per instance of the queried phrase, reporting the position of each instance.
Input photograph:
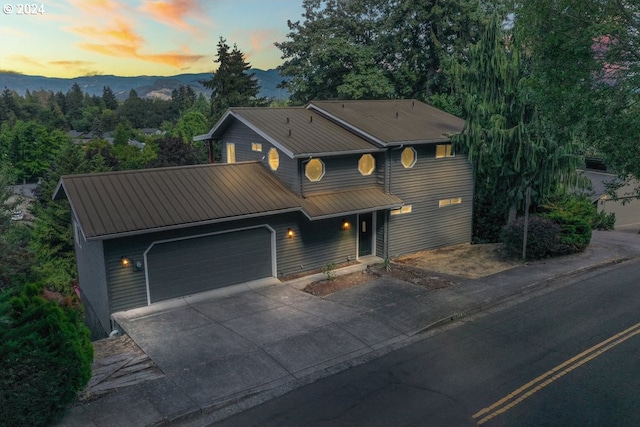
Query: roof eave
(214, 129)
(420, 141)
(353, 212)
(337, 153)
(191, 224)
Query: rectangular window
(77, 234)
(448, 202)
(231, 152)
(443, 150)
(256, 146)
(403, 210)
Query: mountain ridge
(145, 86)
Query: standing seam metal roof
(117, 204)
(151, 199)
(392, 122)
(297, 131)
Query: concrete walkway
(221, 355)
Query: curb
(535, 286)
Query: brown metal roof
(392, 122)
(298, 132)
(348, 202)
(140, 201)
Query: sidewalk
(222, 356)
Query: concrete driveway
(219, 349)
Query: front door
(365, 234)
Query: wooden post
(526, 223)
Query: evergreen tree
(503, 135)
(231, 84)
(109, 98)
(74, 101)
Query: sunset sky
(70, 38)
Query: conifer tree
(502, 134)
(232, 85)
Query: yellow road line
(532, 387)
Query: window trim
(442, 203)
(415, 157)
(448, 151)
(273, 157)
(322, 171)
(403, 210)
(373, 164)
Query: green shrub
(604, 221)
(543, 238)
(45, 354)
(575, 215)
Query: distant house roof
(392, 122)
(298, 132)
(118, 204)
(141, 201)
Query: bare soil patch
(466, 260)
(433, 269)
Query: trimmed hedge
(46, 356)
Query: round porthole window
(314, 171)
(366, 164)
(274, 159)
(408, 157)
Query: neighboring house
(625, 206)
(298, 188)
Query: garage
(186, 266)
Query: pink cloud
(175, 12)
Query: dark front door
(365, 234)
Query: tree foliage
(586, 74)
(376, 49)
(45, 354)
(231, 84)
(502, 134)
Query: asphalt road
(567, 357)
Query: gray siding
(92, 279)
(243, 137)
(341, 173)
(381, 227)
(422, 186)
(314, 245)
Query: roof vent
(289, 132)
(396, 114)
(342, 105)
(413, 104)
(310, 119)
(287, 119)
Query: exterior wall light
(346, 225)
(138, 265)
(126, 262)
(290, 233)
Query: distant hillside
(144, 85)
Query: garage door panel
(188, 266)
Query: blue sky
(70, 38)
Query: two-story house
(298, 188)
